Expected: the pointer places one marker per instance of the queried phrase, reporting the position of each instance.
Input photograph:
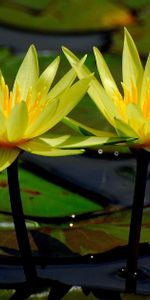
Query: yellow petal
(79, 65)
(70, 142)
(62, 84)
(54, 140)
(44, 83)
(124, 129)
(102, 101)
(145, 89)
(73, 142)
(85, 130)
(2, 81)
(89, 141)
(82, 71)
(105, 75)
(28, 72)
(146, 129)
(17, 122)
(96, 91)
(43, 122)
(47, 77)
(40, 147)
(69, 99)
(2, 124)
(131, 65)
(135, 117)
(7, 156)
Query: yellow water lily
(32, 108)
(126, 108)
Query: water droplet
(73, 216)
(135, 274)
(100, 151)
(116, 153)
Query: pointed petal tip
(127, 36)
(126, 33)
(33, 52)
(95, 49)
(32, 48)
(83, 59)
(126, 30)
(97, 52)
(66, 51)
(56, 60)
(64, 48)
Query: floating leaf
(62, 15)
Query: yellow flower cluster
(32, 108)
(127, 111)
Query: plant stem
(19, 222)
(142, 158)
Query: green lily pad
(42, 198)
(64, 16)
(100, 234)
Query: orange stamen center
(121, 102)
(146, 105)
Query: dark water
(21, 40)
